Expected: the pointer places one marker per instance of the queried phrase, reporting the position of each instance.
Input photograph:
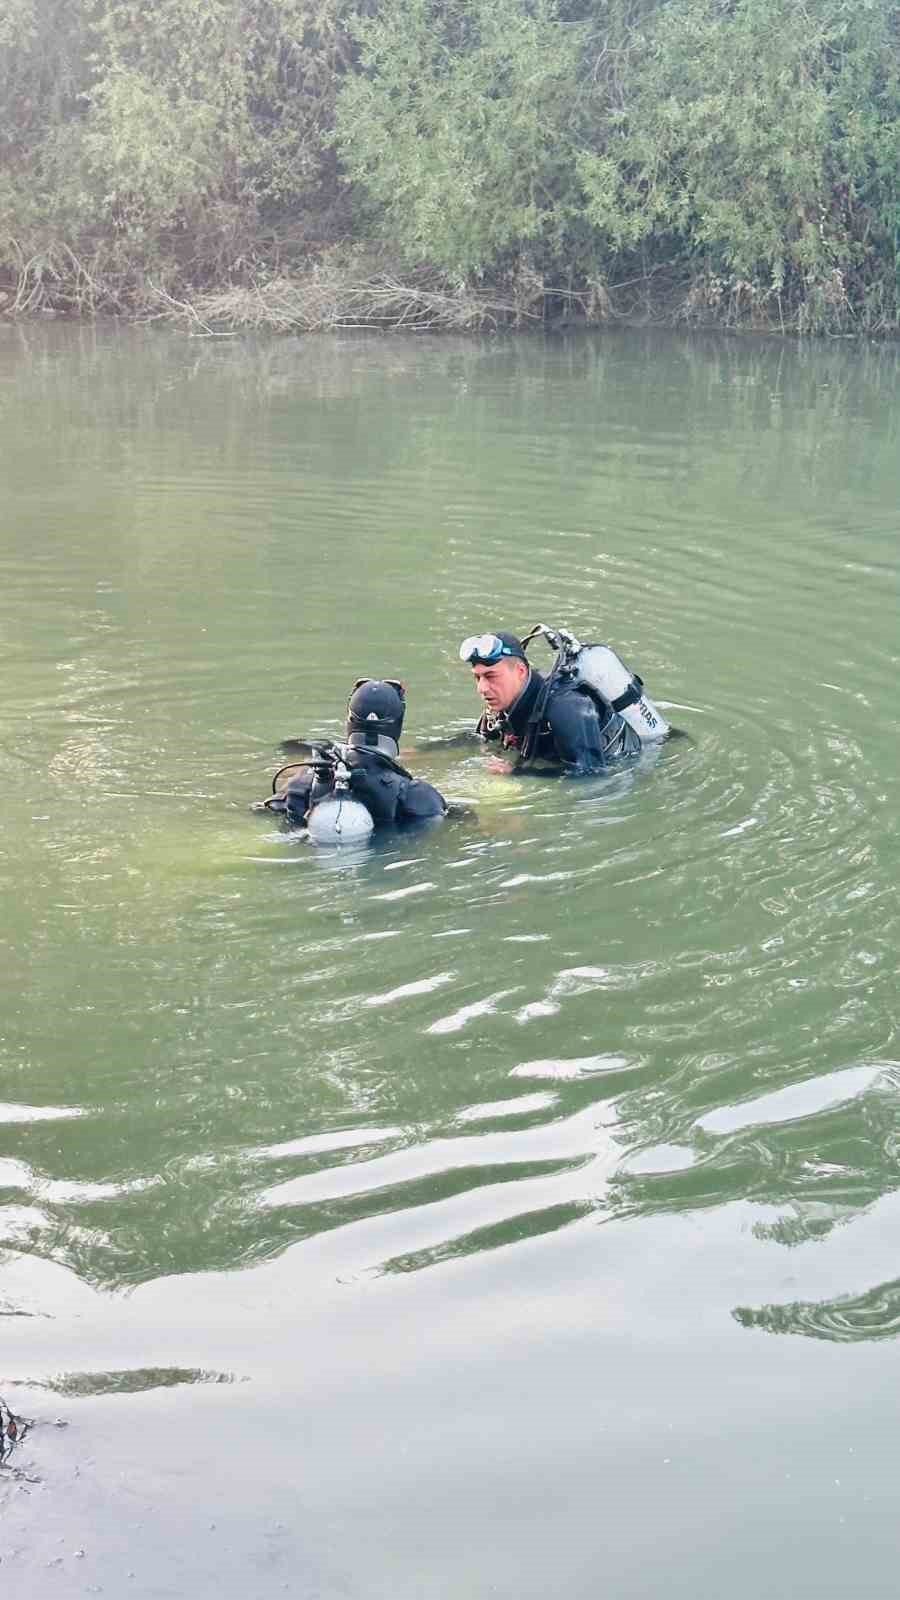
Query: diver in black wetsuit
(540, 720)
(390, 794)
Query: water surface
(505, 1211)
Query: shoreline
(356, 291)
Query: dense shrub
(758, 140)
(739, 157)
(460, 126)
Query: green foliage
(748, 135)
(723, 135)
(745, 153)
(208, 107)
(864, 154)
(174, 136)
(459, 126)
(42, 69)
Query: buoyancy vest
(388, 791)
(560, 721)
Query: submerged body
(588, 712)
(560, 725)
(344, 791)
(389, 793)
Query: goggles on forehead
(485, 648)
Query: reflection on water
(610, 1060)
(714, 927)
(845, 1319)
(79, 1384)
(821, 1165)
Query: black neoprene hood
(376, 709)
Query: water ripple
(218, 1042)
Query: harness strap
(529, 742)
(630, 696)
(615, 744)
(382, 757)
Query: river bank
(400, 165)
(345, 288)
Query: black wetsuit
(574, 731)
(389, 793)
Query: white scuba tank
(339, 821)
(600, 668)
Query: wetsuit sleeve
(577, 729)
(296, 795)
(419, 800)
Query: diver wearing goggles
(486, 648)
(547, 719)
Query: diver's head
(375, 713)
(499, 666)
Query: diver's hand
(499, 764)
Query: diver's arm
(420, 800)
(297, 795)
(544, 769)
(291, 797)
(392, 798)
(301, 749)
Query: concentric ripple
(668, 990)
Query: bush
(459, 126)
(757, 141)
(732, 160)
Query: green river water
(506, 1211)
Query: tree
(459, 127)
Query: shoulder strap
(538, 712)
(629, 696)
(379, 756)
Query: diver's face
(500, 683)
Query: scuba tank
(334, 819)
(598, 668)
(339, 822)
(339, 819)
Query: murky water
(509, 1211)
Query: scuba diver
(588, 712)
(343, 791)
